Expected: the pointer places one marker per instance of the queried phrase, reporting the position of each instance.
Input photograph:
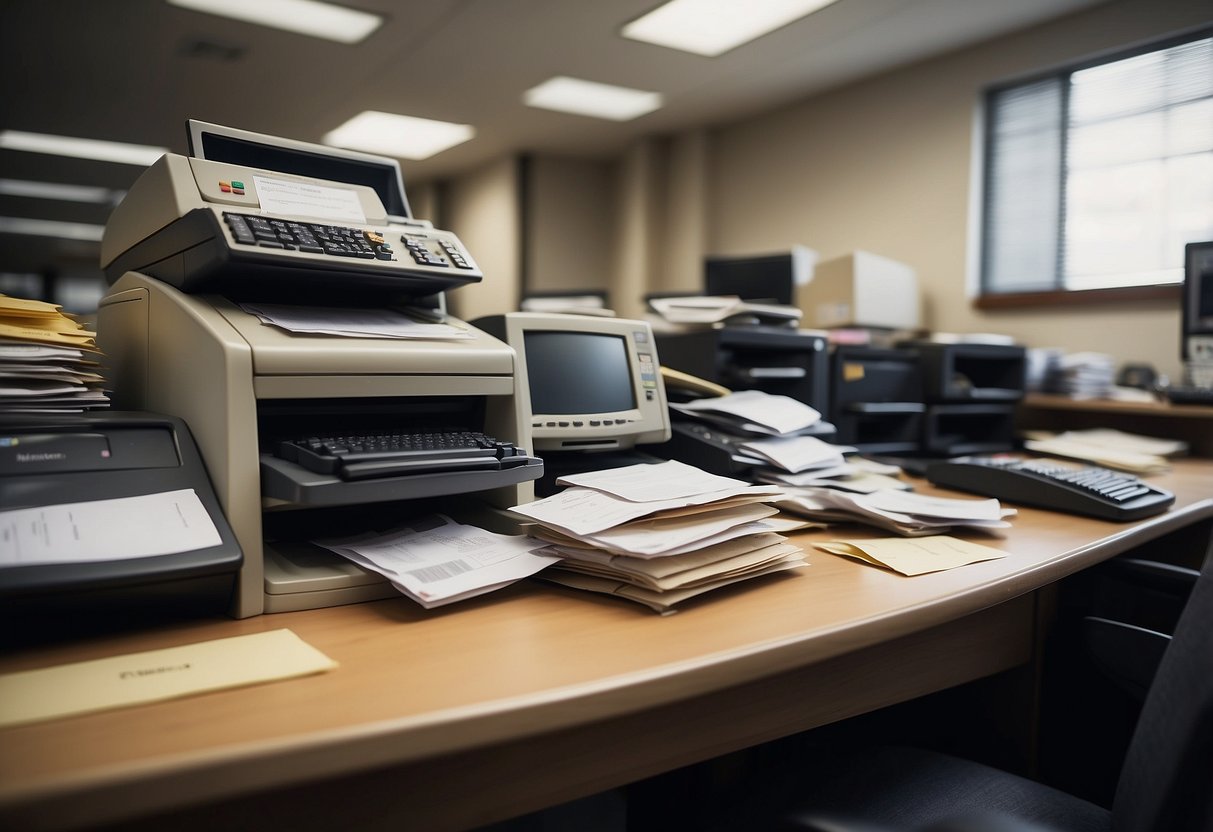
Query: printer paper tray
(292, 483)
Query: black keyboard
(1078, 489)
(1186, 394)
(389, 454)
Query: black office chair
(1165, 784)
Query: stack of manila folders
(661, 533)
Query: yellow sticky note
(913, 556)
(117, 681)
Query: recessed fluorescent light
(393, 135)
(713, 27)
(306, 17)
(51, 228)
(57, 190)
(127, 154)
(589, 98)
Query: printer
(179, 341)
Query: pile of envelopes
(905, 513)
(48, 361)
(661, 533)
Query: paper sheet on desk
(98, 530)
(437, 561)
(659, 481)
(583, 511)
(916, 556)
(351, 323)
(755, 410)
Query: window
(1097, 175)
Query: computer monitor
(768, 277)
(257, 150)
(1197, 343)
(594, 382)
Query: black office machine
(876, 398)
(776, 360)
(66, 459)
(970, 390)
(277, 414)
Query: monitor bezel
(196, 130)
(1194, 326)
(645, 423)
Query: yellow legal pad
(117, 681)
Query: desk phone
(1046, 483)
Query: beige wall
(570, 223)
(482, 208)
(886, 165)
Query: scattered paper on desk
(155, 675)
(796, 454)
(659, 481)
(437, 561)
(906, 513)
(754, 411)
(1108, 448)
(351, 323)
(116, 529)
(913, 556)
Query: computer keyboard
(1190, 394)
(1078, 489)
(391, 454)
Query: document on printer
(437, 561)
(351, 323)
(100, 530)
(305, 199)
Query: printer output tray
(292, 483)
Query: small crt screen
(578, 373)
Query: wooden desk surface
(524, 665)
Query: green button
(236, 184)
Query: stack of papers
(48, 361)
(717, 308)
(1109, 448)
(437, 561)
(356, 323)
(662, 533)
(902, 512)
(771, 430)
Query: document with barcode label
(437, 561)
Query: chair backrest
(1167, 779)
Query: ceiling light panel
(127, 154)
(406, 137)
(304, 17)
(713, 27)
(59, 191)
(589, 98)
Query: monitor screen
(558, 364)
(254, 150)
(772, 278)
(1198, 302)
(594, 383)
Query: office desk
(536, 694)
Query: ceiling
(135, 70)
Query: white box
(861, 289)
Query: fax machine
(178, 341)
(216, 224)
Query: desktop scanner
(178, 341)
